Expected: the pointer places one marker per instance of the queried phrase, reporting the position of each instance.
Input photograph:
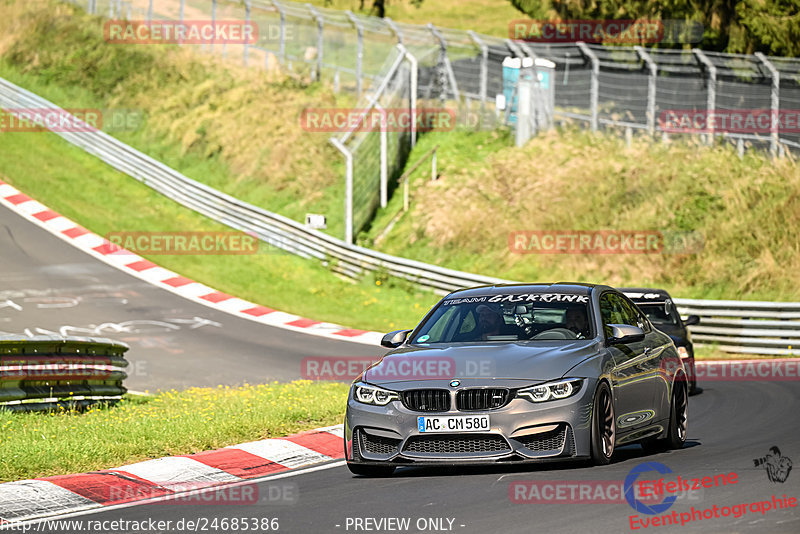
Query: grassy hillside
(745, 210)
(233, 128)
(491, 17)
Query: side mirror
(691, 320)
(624, 333)
(394, 339)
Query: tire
(371, 470)
(604, 428)
(693, 380)
(678, 419)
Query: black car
(659, 308)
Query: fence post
(524, 96)
(711, 104)
(320, 22)
(775, 104)
(247, 7)
(384, 157)
(348, 190)
(394, 29)
(360, 50)
(651, 89)
(484, 73)
(446, 60)
(282, 38)
(213, 23)
(182, 11)
(595, 83)
(413, 92)
(150, 11)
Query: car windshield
(660, 313)
(537, 317)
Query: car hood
(481, 363)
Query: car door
(632, 376)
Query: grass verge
(171, 423)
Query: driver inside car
(576, 321)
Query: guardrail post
(651, 89)
(348, 190)
(775, 104)
(484, 72)
(320, 25)
(247, 8)
(384, 157)
(711, 102)
(394, 29)
(282, 38)
(360, 50)
(595, 83)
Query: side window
(616, 310)
(607, 312)
(629, 313)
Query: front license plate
(456, 423)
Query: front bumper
(521, 431)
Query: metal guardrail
(736, 326)
(747, 327)
(45, 372)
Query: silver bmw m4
(518, 373)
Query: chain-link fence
(388, 65)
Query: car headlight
(683, 353)
(552, 390)
(373, 395)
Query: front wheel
(371, 470)
(603, 426)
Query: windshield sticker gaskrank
(524, 297)
(540, 297)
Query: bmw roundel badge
(454, 383)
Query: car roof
(571, 288)
(642, 295)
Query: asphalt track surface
(731, 424)
(51, 287)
